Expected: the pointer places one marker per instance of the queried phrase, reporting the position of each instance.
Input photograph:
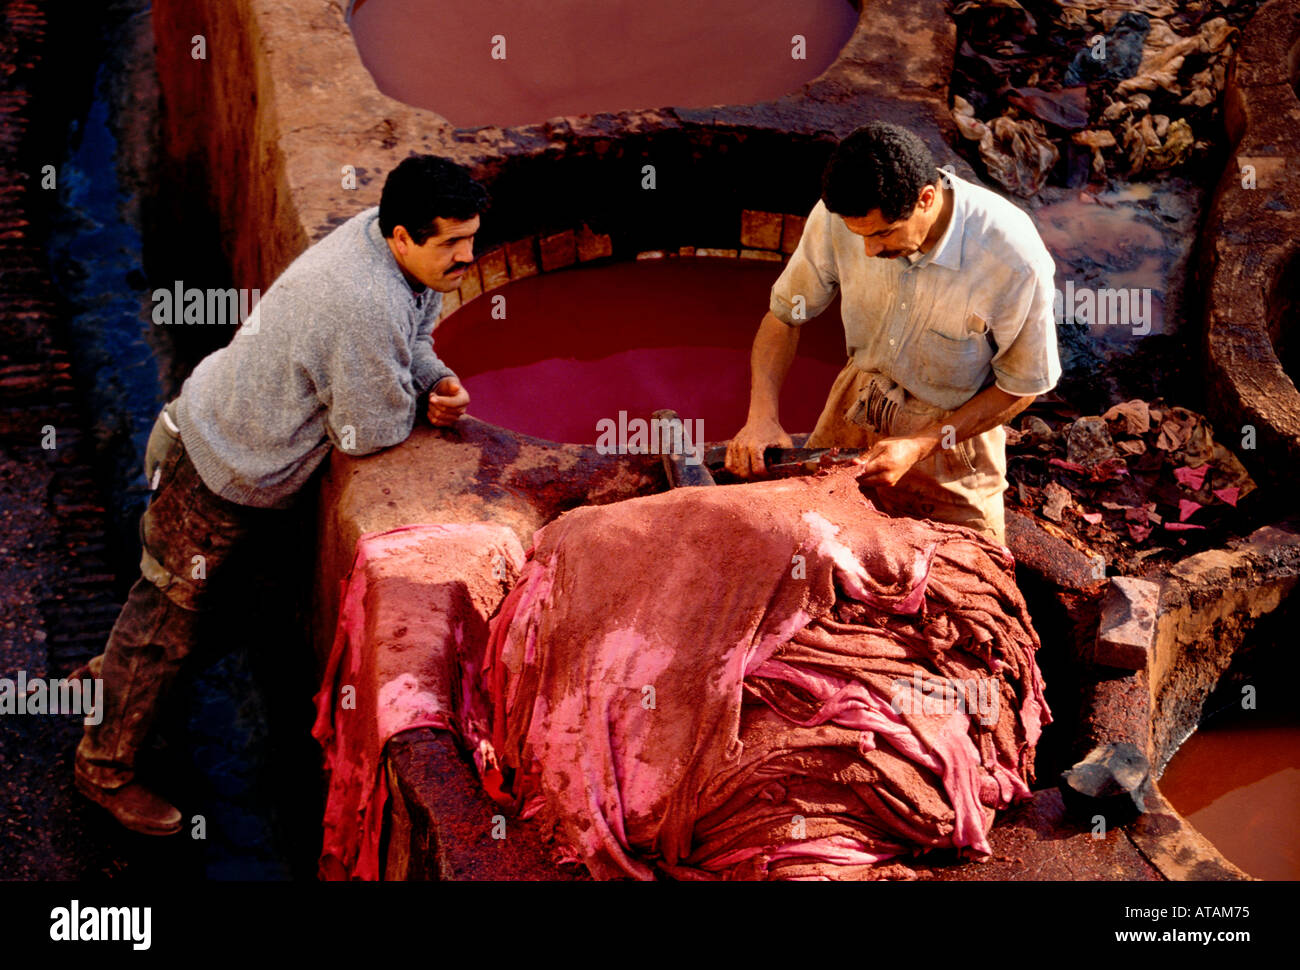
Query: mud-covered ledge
(474, 472)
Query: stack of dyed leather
(771, 680)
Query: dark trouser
(192, 541)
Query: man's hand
(745, 451)
(447, 402)
(891, 458)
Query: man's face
(441, 262)
(889, 240)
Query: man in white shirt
(947, 307)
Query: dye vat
(499, 62)
(579, 346)
(1237, 780)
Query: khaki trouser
(190, 539)
(962, 484)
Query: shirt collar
(947, 251)
(376, 237)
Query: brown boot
(135, 806)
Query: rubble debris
(1016, 152)
(1096, 140)
(1113, 484)
(1193, 478)
(1120, 54)
(1228, 495)
(1087, 441)
(1146, 78)
(1066, 108)
(1108, 782)
(1058, 500)
(1135, 414)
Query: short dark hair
(879, 166)
(424, 188)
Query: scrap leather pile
(772, 680)
(1139, 481)
(1121, 88)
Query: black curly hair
(879, 166)
(423, 188)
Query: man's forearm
(987, 409)
(769, 362)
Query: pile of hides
(763, 681)
(414, 601)
(1136, 481)
(1125, 88)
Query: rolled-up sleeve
(809, 281)
(1024, 330)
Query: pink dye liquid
(1237, 779)
(581, 345)
(571, 57)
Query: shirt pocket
(952, 363)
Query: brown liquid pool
(573, 57)
(579, 346)
(1237, 780)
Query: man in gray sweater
(338, 353)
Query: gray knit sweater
(335, 353)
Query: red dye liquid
(581, 345)
(572, 57)
(1237, 779)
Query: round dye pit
(1237, 779)
(572, 57)
(580, 346)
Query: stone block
(1110, 782)
(521, 256)
(760, 230)
(559, 250)
(652, 254)
(471, 286)
(717, 253)
(1088, 441)
(594, 245)
(450, 304)
(1127, 633)
(765, 255)
(791, 232)
(493, 269)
